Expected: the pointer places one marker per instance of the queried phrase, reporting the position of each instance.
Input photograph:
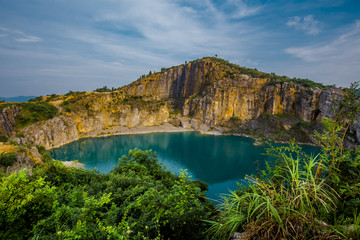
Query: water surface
(220, 161)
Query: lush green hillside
(138, 199)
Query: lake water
(220, 161)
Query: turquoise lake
(220, 161)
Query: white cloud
(168, 28)
(339, 58)
(307, 24)
(345, 46)
(241, 9)
(127, 38)
(29, 39)
(18, 36)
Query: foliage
(23, 202)
(36, 99)
(287, 200)
(165, 203)
(136, 101)
(235, 118)
(34, 112)
(346, 183)
(275, 79)
(105, 89)
(3, 138)
(52, 97)
(138, 199)
(4, 105)
(7, 159)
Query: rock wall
(206, 91)
(8, 119)
(65, 129)
(176, 83)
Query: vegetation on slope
(236, 69)
(138, 199)
(32, 112)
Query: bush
(289, 200)
(23, 202)
(167, 204)
(139, 199)
(34, 112)
(7, 159)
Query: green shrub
(235, 118)
(3, 138)
(36, 99)
(103, 89)
(167, 204)
(286, 201)
(34, 112)
(139, 199)
(23, 202)
(7, 159)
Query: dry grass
(7, 148)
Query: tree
(349, 109)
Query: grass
(35, 112)
(32, 112)
(290, 202)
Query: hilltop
(209, 95)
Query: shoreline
(169, 128)
(119, 130)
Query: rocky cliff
(214, 93)
(8, 119)
(94, 114)
(207, 94)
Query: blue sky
(53, 46)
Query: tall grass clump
(285, 201)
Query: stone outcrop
(64, 129)
(25, 159)
(8, 119)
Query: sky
(54, 46)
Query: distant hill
(17, 99)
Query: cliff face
(177, 83)
(213, 93)
(8, 119)
(204, 94)
(105, 115)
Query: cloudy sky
(53, 46)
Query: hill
(209, 95)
